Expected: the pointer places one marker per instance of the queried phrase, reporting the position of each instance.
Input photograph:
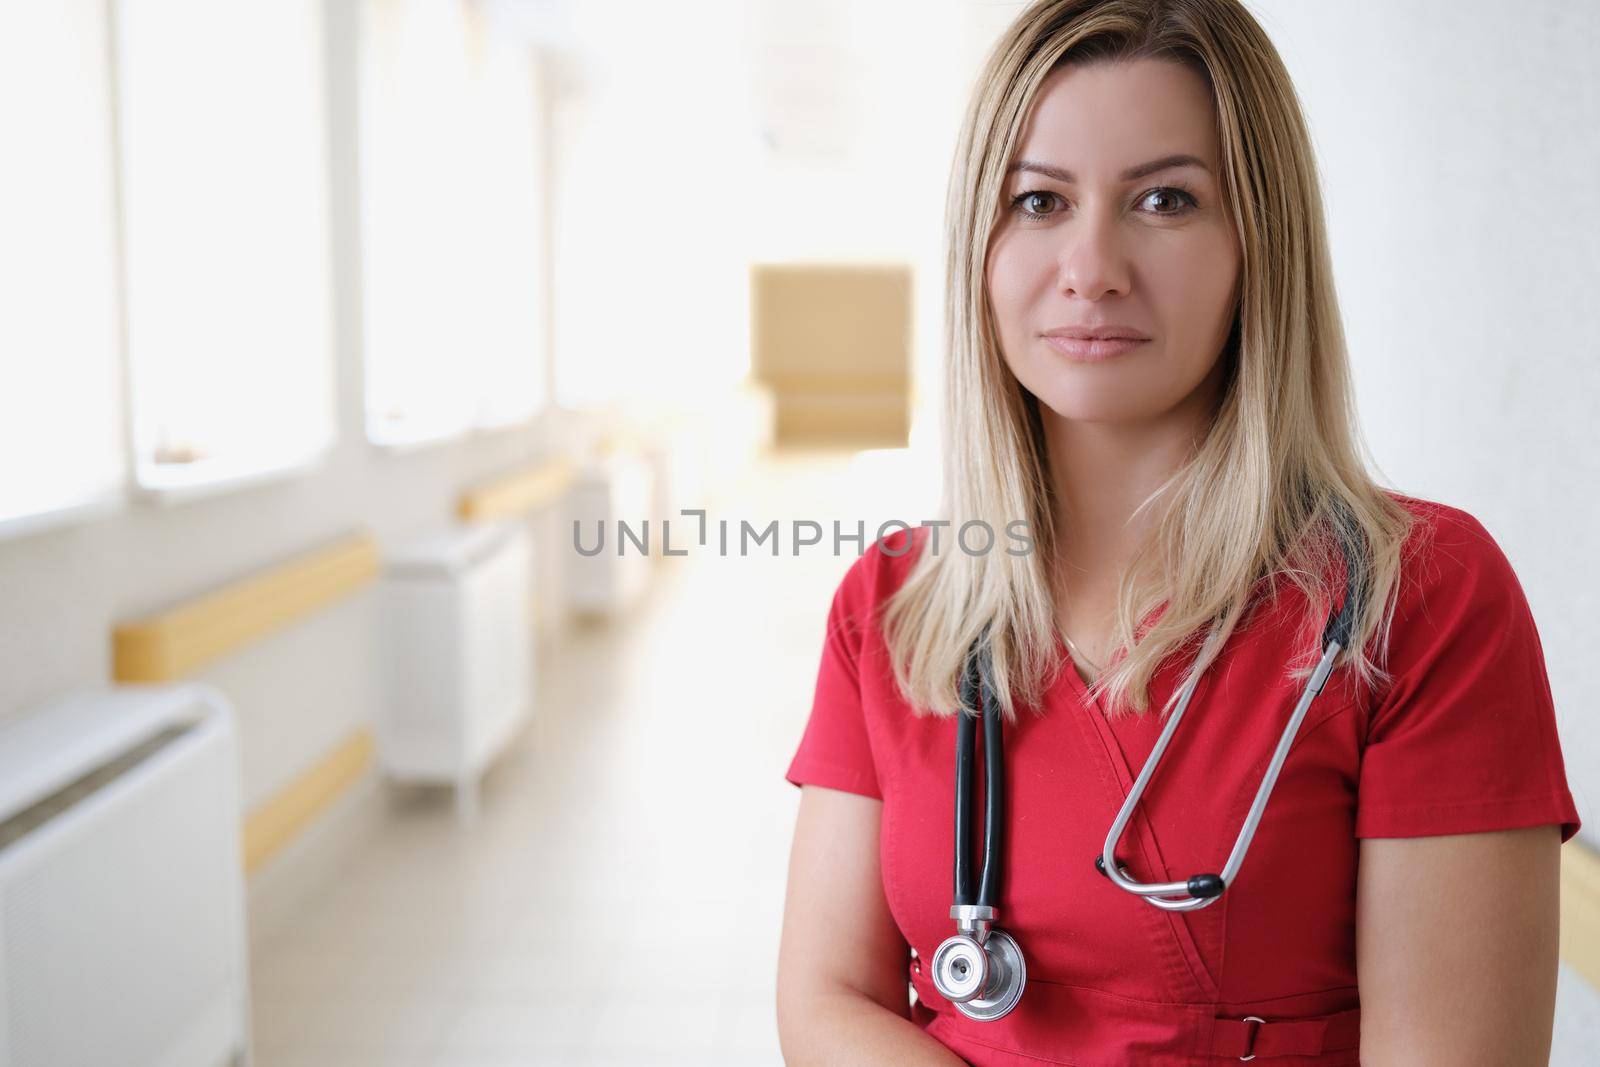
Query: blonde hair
(1277, 480)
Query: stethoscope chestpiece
(980, 970)
(960, 968)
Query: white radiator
(458, 656)
(607, 574)
(122, 928)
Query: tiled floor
(619, 901)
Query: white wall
(1460, 144)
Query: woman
(1146, 362)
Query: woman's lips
(1093, 350)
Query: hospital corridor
(619, 902)
(450, 449)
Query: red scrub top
(1462, 740)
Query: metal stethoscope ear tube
(1201, 890)
(980, 969)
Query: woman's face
(1112, 226)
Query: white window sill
(403, 446)
(20, 526)
(212, 478)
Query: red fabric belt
(1287, 1037)
(1078, 1025)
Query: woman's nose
(1092, 265)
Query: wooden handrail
(1580, 909)
(172, 644)
(517, 493)
(275, 822)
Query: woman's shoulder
(1462, 737)
(1435, 514)
(1449, 548)
(883, 567)
(874, 577)
(1458, 601)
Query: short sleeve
(835, 750)
(1464, 739)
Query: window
(451, 212)
(660, 208)
(61, 429)
(226, 244)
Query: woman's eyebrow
(1143, 170)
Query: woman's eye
(1034, 204)
(1167, 201)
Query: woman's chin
(1076, 406)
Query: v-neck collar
(1075, 680)
(1139, 841)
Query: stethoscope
(980, 969)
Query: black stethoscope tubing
(977, 692)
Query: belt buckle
(1258, 1020)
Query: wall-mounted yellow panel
(172, 644)
(517, 493)
(274, 823)
(1580, 910)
